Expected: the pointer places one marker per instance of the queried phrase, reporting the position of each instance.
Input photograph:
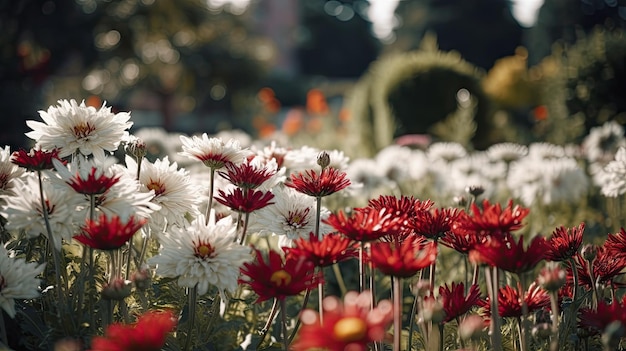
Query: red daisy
(147, 334)
(400, 206)
(606, 313)
(351, 325)
(491, 220)
(455, 302)
(109, 233)
(94, 184)
(462, 242)
(364, 224)
(404, 258)
(510, 304)
(564, 243)
(503, 252)
(329, 181)
(278, 279)
(35, 159)
(245, 175)
(245, 201)
(332, 248)
(434, 223)
(606, 266)
(616, 243)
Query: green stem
(554, 304)
(397, 312)
(492, 290)
(339, 277)
(305, 302)
(283, 323)
(193, 298)
(245, 229)
(318, 215)
(524, 337)
(361, 266)
(211, 188)
(270, 319)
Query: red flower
(245, 175)
(328, 182)
(364, 224)
(435, 223)
(564, 243)
(403, 258)
(460, 241)
(510, 304)
(350, 325)
(108, 233)
(332, 248)
(606, 266)
(606, 313)
(503, 252)
(277, 278)
(400, 206)
(35, 159)
(147, 334)
(616, 243)
(455, 302)
(492, 220)
(246, 202)
(94, 184)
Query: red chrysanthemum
(616, 243)
(332, 248)
(503, 252)
(35, 159)
(606, 313)
(245, 201)
(329, 181)
(606, 266)
(406, 208)
(435, 223)
(351, 325)
(492, 219)
(245, 175)
(455, 302)
(95, 184)
(276, 278)
(510, 304)
(147, 334)
(109, 233)
(564, 243)
(462, 242)
(364, 224)
(404, 258)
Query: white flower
(305, 158)
(159, 143)
(507, 152)
(174, 192)
(8, 171)
(615, 175)
(73, 127)
(445, 151)
(18, 280)
(367, 178)
(602, 142)
(244, 139)
(524, 179)
(24, 211)
(202, 255)
(213, 152)
(474, 171)
(395, 162)
(545, 151)
(564, 181)
(292, 215)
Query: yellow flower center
(350, 329)
(203, 250)
(156, 186)
(280, 278)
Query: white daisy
(615, 175)
(213, 152)
(271, 151)
(174, 192)
(507, 152)
(18, 280)
(80, 128)
(602, 142)
(299, 160)
(244, 139)
(159, 143)
(473, 171)
(202, 255)
(563, 181)
(445, 151)
(24, 212)
(292, 215)
(393, 161)
(8, 171)
(545, 151)
(524, 179)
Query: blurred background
(521, 69)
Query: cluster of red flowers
(147, 334)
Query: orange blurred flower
(316, 102)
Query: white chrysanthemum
(302, 159)
(244, 139)
(270, 166)
(202, 255)
(445, 151)
(615, 175)
(8, 171)
(292, 215)
(507, 152)
(213, 152)
(602, 142)
(524, 179)
(473, 171)
(545, 151)
(73, 127)
(367, 181)
(400, 163)
(18, 280)
(563, 181)
(173, 190)
(271, 151)
(24, 211)
(159, 142)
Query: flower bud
(433, 311)
(136, 147)
(472, 327)
(142, 279)
(589, 252)
(460, 200)
(475, 190)
(117, 289)
(323, 159)
(420, 288)
(552, 278)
